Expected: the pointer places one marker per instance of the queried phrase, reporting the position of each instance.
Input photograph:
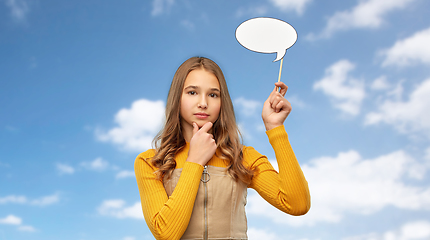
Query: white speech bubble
(266, 35)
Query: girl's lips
(201, 115)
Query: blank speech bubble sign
(266, 35)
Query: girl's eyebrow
(191, 86)
(196, 87)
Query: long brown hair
(170, 140)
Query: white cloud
(64, 169)
(408, 51)
(258, 234)
(297, 6)
(410, 116)
(18, 9)
(247, 107)
(252, 11)
(417, 230)
(11, 219)
(46, 200)
(97, 165)
(291, 5)
(367, 236)
(367, 14)
(11, 128)
(116, 208)
(396, 92)
(4, 164)
(296, 101)
(42, 201)
(243, 131)
(137, 126)
(14, 220)
(248, 113)
(129, 238)
(161, 6)
(188, 25)
(125, 174)
(13, 199)
(427, 154)
(26, 228)
(349, 184)
(274, 164)
(345, 92)
(380, 83)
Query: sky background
(83, 86)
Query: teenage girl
(193, 185)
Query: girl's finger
(273, 95)
(279, 106)
(283, 88)
(206, 127)
(274, 102)
(276, 99)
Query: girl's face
(200, 101)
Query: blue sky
(84, 83)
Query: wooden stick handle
(280, 71)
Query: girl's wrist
(270, 126)
(190, 159)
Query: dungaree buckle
(205, 175)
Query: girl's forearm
(293, 185)
(168, 217)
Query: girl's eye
(192, 93)
(214, 95)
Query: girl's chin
(201, 123)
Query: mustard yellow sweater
(168, 217)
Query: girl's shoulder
(143, 163)
(250, 154)
(252, 159)
(146, 156)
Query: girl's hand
(276, 108)
(202, 144)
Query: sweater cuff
(276, 134)
(193, 170)
(189, 180)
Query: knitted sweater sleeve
(167, 217)
(287, 190)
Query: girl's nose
(203, 103)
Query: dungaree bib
(219, 208)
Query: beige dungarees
(219, 209)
